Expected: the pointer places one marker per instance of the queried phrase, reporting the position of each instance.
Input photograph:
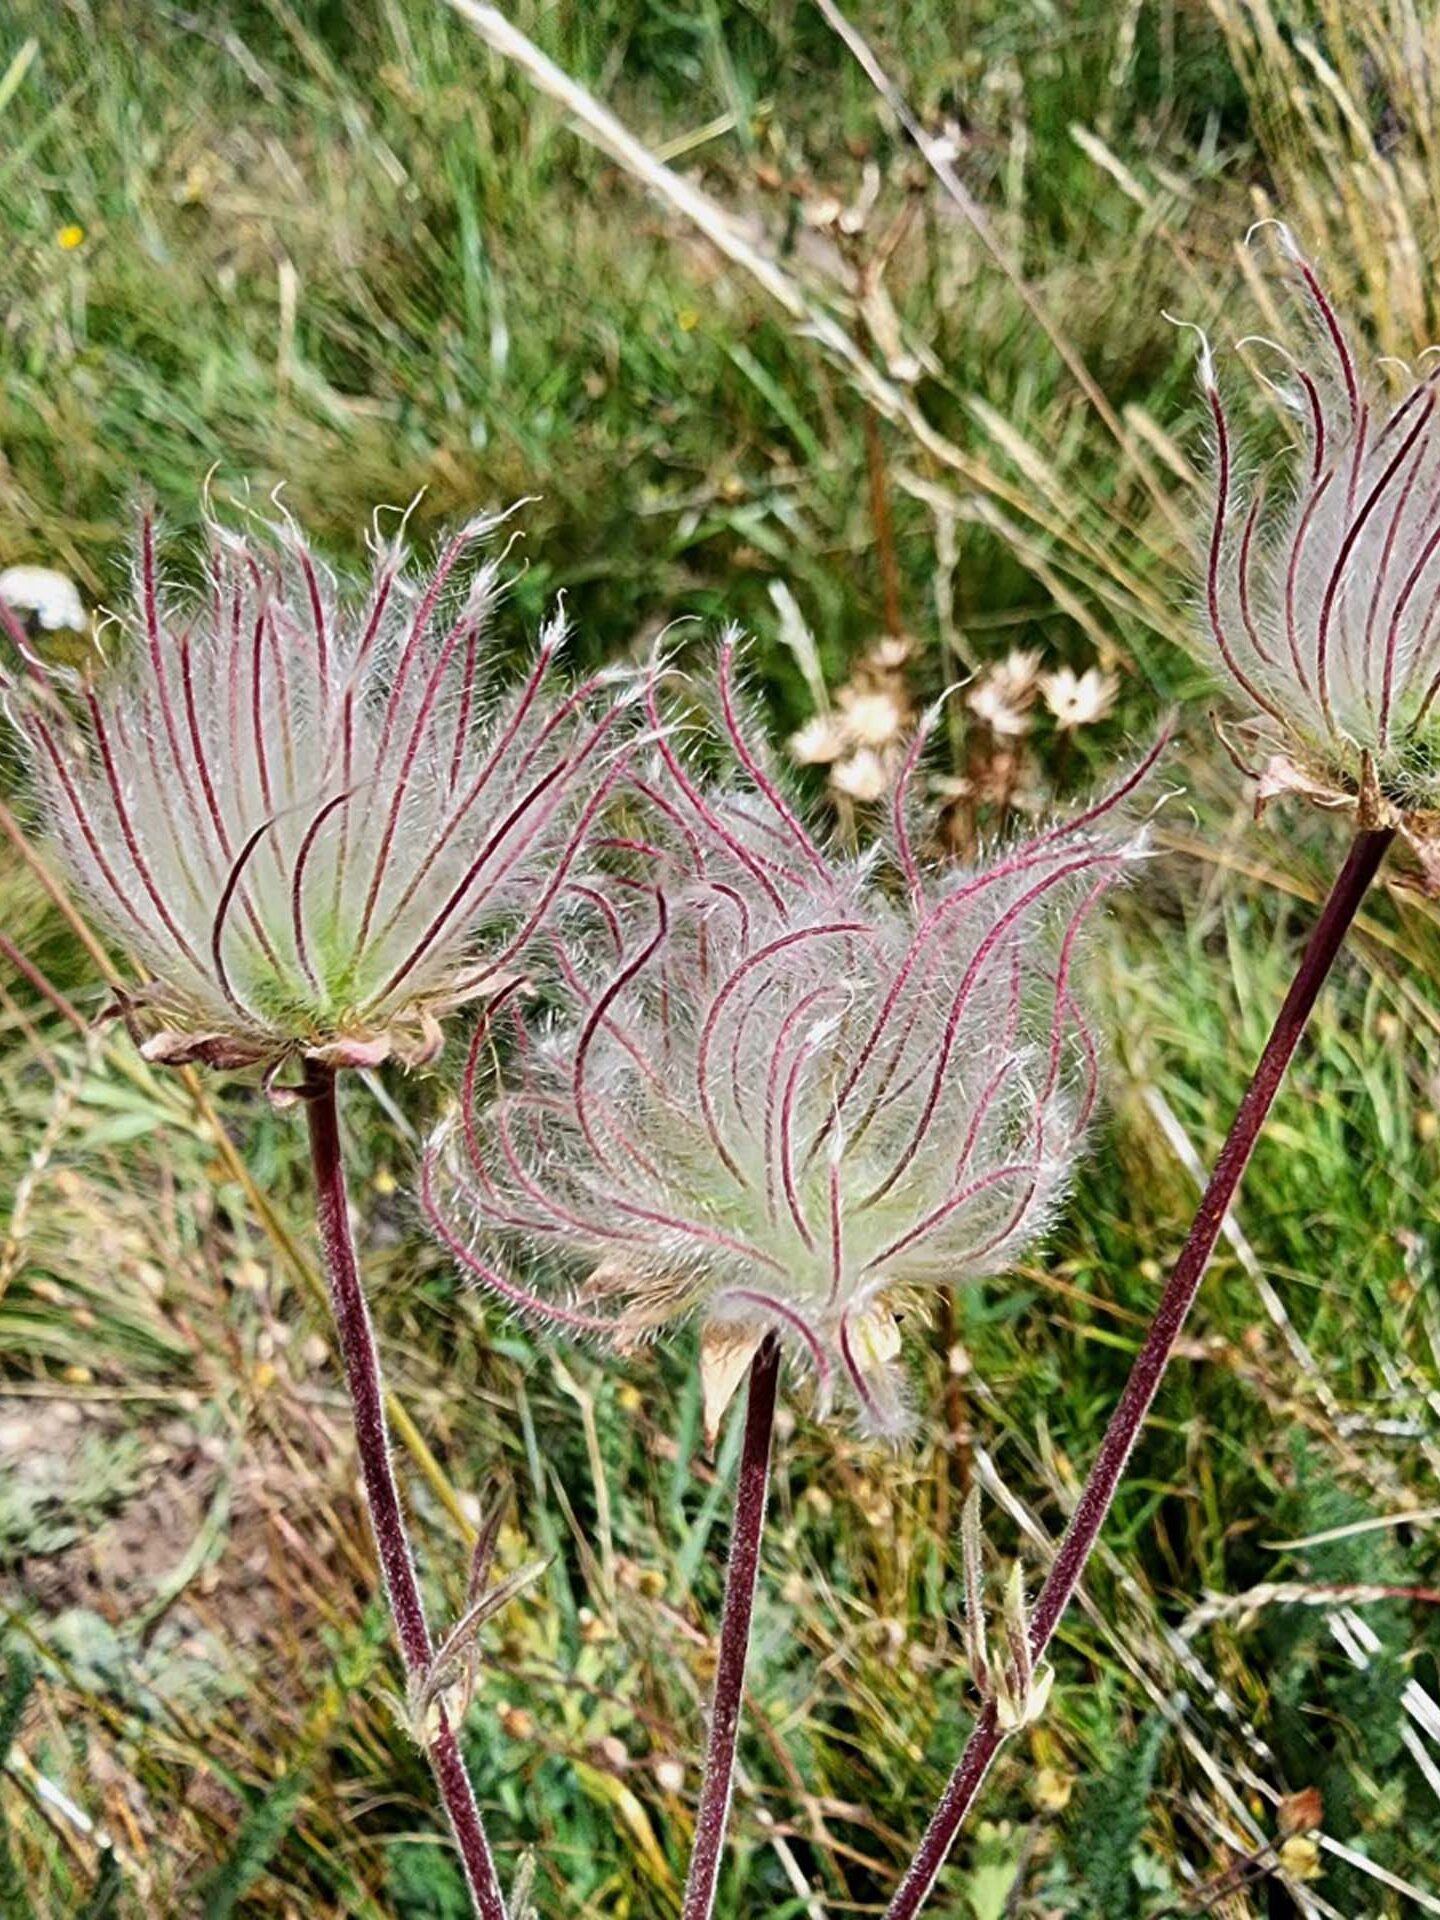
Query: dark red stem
(1098, 1495)
(751, 1493)
(387, 1518)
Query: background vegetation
(344, 247)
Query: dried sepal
(725, 1356)
(448, 1686)
(520, 1905)
(1016, 1685)
(972, 1560)
(1021, 1705)
(173, 1048)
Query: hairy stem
(382, 1493)
(751, 1492)
(1099, 1492)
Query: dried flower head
(872, 717)
(863, 775)
(820, 742)
(1328, 620)
(861, 739)
(1005, 692)
(300, 816)
(800, 1092)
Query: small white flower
(1079, 699)
(891, 652)
(989, 704)
(1017, 673)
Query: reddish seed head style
(315, 825)
(1326, 614)
(793, 1091)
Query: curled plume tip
(1284, 237)
(1206, 364)
(1324, 612)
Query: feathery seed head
(316, 825)
(1326, 613)
(789, 1091)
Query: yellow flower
(1300, 1858)
(1052, 1789)
(69, 238)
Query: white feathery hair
(1325, 612)
(316, 824)
(783, 1090)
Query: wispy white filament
(783, 1090)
